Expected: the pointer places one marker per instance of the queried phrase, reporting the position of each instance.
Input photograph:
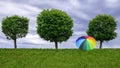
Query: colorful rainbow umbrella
(86, 43)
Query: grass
(61, 58)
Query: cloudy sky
(81, 11)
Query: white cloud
(75, 3)
(10, 8)
(4, 41)
(32, 40)
(112, 3)
(35, 39)
(80, 33)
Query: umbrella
(86, 43)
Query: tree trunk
(56, 45)
(101, 44)
(15, 45)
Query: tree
(15, 27)
(102, 28)
(54, 25)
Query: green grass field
(61, 58)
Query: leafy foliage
(102, 28)
(54, 25)
(15, 27)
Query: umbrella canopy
(86, 43)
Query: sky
(81, 11)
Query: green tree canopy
(54, 25)
(15, 27)
(102, 28)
